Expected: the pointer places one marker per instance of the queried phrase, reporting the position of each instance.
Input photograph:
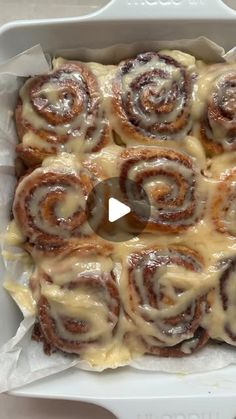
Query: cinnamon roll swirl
(77, 299)
(61, 111)
(220, 321)
(217, 129)
(50, 204)
(152, 97)
(164, 299)
(227, 288)
(223, 204)
(171, 182)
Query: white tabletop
(24, 408)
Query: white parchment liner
(22, 360)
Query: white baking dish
(126, 392)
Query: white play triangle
(116, 209)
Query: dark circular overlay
(126, 227)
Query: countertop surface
(25, 408)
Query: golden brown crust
(209, 145)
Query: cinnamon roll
(150, 292)
(227, 288)
(171, 182)
(77, 299)
(223, 204)
(166, 298)
(217, 92)
(220, 321)
(152, 98)
(61, 111)
(50, 204)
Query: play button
(117, 211)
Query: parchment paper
(22, 360)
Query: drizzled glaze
(152, 99)
(165, 300)
(174, 291)
(50, 203)
(198, 281)
(224, 204)
(77, 298)
(171, 182)
(215, 108)
(61, 112)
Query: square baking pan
(129, 393)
